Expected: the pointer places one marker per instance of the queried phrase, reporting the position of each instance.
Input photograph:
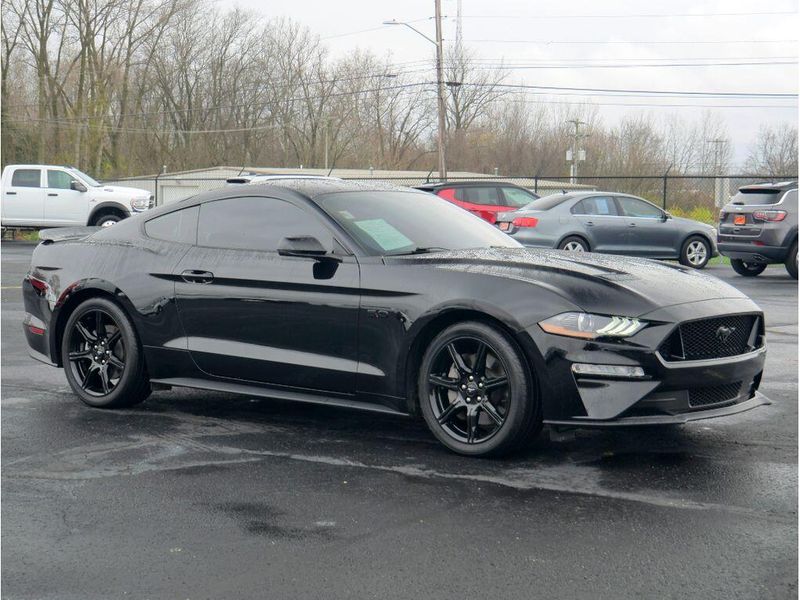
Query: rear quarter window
(179, 226)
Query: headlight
(590, 327)
(140, 203)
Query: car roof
(453, 184)
(309, 188)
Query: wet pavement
(206, 495)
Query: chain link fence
(697, 197)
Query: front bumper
(670, 392)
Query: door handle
(11, 193)
(590, 223)
(52, 194)
(194, 276)
(631, 224)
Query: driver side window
(255, 223)
(58, 180)
(633, 207)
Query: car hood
(593, 282)
(128, 192)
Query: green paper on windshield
(386, 236)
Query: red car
(482, 198)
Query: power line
(634, 66)
(634, 15)
(638, 42)
(636, 92)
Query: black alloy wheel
(101, 356)
(474, 392)
(97, 352)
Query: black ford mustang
(390, 300)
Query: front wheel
(475, 392)
(747, 269)
(695, 252)
(107, 220)
(102, 357)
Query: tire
(791, 261)
(695, 252)
(505, 418)
(106, 219)
(574, 243)
(747, 269)
(103, 359)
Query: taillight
(525, 222)
(769, 215)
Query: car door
(599, 219)
(483, 201)
(649, 232)
(23, 198)
(62, 204)
(253, 315)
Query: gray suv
(611, 223)
(759, 227)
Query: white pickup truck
(55, 196)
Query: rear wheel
(475, 392)
(695, 252)
(791, 261)
(747, 269)
(574, 244)
(102, 357)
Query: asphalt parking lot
(203, 495)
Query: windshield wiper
(420, 250)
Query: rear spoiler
(63, 234)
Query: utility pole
(576, 154)
(440, 90)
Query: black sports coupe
(386, 299)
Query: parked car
(611, 223)
(355, 295)
(54, 196)
(758, 227)
(482, 198)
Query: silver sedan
(610, 223)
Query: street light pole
(441, 106)
(440, 91)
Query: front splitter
(723, 411)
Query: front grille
(719, 337)
(718, 394)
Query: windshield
(83, 176)
(391, 223)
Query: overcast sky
(591, 32)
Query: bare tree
(774, 152)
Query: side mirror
(303, 247)
(77, 186)
(665, 216)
